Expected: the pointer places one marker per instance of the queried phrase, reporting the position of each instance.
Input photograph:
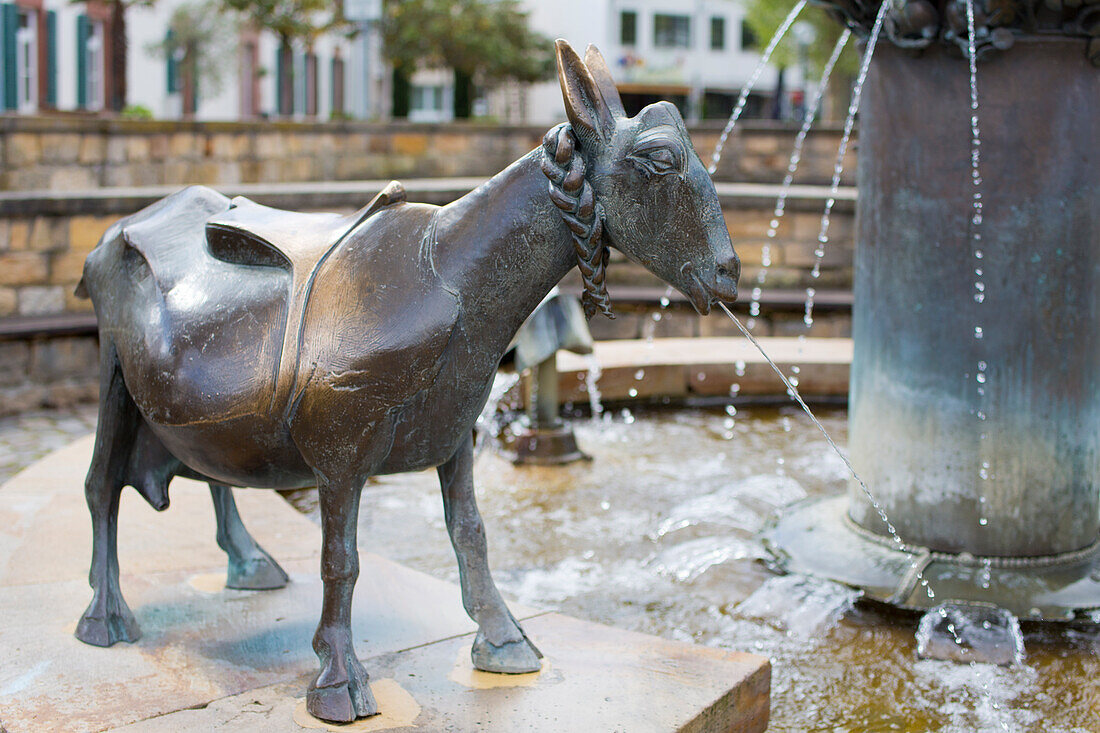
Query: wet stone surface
(659, 534)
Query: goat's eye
(661, 157)
(658, 161)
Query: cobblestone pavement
(28, 437)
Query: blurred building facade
(696, 53)
(55, 56)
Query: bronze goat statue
(251, 347)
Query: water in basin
(658, 534)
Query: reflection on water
(657, 535)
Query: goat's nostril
(731, 270)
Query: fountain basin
(818, 537)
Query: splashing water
(980, 377)
(487, 425)
(755, 77)
(792, 168)
(591, 383)
(964, 632)
(842, 149)
(792, 391)
(799, 605)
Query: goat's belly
(243, 451)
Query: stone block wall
(39, 153)
(42, 253)
(47, 372)
(41, 261)
(46, 235)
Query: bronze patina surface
(247, 346)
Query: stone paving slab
(218, 659)
(596, 679)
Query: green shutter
(10, 28)
(172, 66)
(82, 61)
(51, 58)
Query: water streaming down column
(915, 429)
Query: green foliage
(486, 40)
(201, 39)
(137, 112)
(765, 16)
(292, 19)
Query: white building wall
(598, 21)
(148, 71)
(66, 53)
(268, 49)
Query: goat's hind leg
(250, 567)
(108, 619)
(500, 645)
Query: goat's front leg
(501, 645)
(341, 693)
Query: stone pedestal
(214, 659)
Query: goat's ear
(593, 59)
(588, 112)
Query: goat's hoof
(512, 657)
(100, 627)
(259, 572)
(342, 703)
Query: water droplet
(731, 410)
(739, 368)
(632, 392)
(980, 377)
(983, 521)
(665, 301)
(639, 375)
(978, 333)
